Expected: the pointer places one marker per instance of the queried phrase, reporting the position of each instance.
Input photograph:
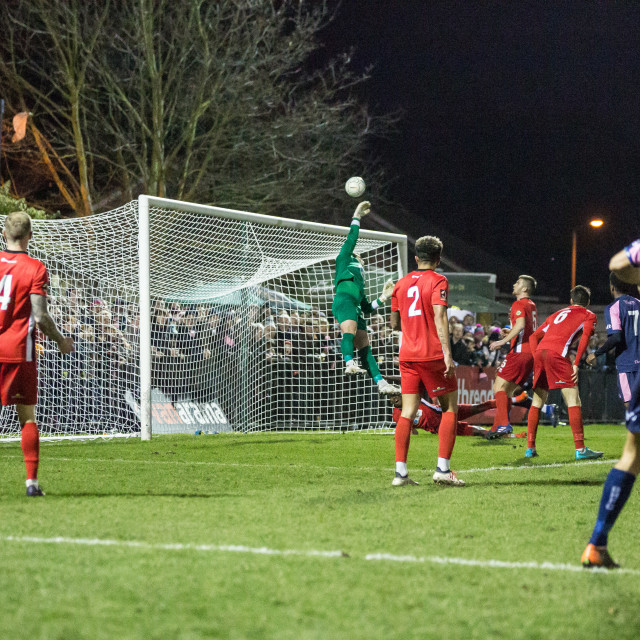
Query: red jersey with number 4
(564, 327)
(20, 276)
(523, 308)
(414, 296)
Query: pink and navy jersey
(623, 316)
(20, 276)
(633, 253)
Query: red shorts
(428, 372)
(551, 370)
(18, 383)
(516, 367)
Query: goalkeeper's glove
(387, 290)
(362, 210)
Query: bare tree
(222, 102)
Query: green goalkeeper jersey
(348, 268)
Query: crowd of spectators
(288, 359)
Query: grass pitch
(303, 536)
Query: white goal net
(238, 334)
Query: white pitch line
(266, 551)
(553, 465)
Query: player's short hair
(17, 225)
(428, 248)
(581, 295)
(622, 287)
(530, 283)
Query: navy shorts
(626, 382)
(633, 413)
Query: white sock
(32, 483)
(401, 468)
(443, 464)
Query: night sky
(520, 123)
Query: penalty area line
(311, 553)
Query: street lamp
(596, 223)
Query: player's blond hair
(530, 283)
(17, 226)
(428, 248)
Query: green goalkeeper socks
(346, 346)
(368, 362)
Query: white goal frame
(145, 202)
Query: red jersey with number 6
(564, 327)
(20, 276)
(414, 296)
(523, 308)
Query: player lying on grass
(349, 304)
(617, 487)
(552, 368)
(429, 416)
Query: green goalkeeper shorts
(346, 307)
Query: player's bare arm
(624, 269)
(442, 328)
(47, 325)
(394, 321)
(518, 326)
(362, 209)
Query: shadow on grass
(136, 494)
(538, 483)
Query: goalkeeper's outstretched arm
(352, 238)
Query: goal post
(270, 250)
(190, 317)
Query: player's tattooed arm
(442, 327)
(394, 321)
(47, 325)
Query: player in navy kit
(617, 487)
(623, 335)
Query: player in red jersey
(518, 365)
(419, 309)
(552, 368)
(23, 304)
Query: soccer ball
(355, 186)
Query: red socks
(403, 434)
(30, 443)
(446, 434)
(502, 410)
(532, 426)
(577, 427)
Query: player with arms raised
(23, 303)
(419, 310)
(552, 369)
(349, 304)
(619, 483)
(518, 365)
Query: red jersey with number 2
(414, 296)
(564, 327)
(20, 276)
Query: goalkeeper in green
(350, 302)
